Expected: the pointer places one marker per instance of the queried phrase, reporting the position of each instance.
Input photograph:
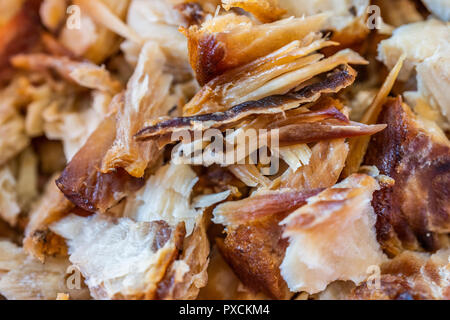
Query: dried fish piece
(85, 74)
(432, 83)
(249, 174)
(62, 112)
(313, 132)
(255, 252)
(334, 82)
(254, 246)
(293, 127)
(84, 184)
(358, 146)
(260, 205)
(72, 127)
(324, 168)
(107, 14)
(277, 73)
(336, 228)
(286, 82)
(413, 212)
(215, 47)
(46, 103)
(83, 172)
(223, 283)
(188, 274)
(232, 86)
(146, 92)
(161, 237)
(166, 197)
(428, 56)
(39, 241)
(290, 128)
(415, 41)
(411, 275)
(24, 278)
(120, 259)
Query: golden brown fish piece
(280, 72)
(144, 97)
(84, 184)
(254, 246)
(229, 41)
(255, 252)
(223, 283)
(416, 210)
(313, 132)
(152, 246)
(261, 205)
(272, 105)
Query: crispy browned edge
(85, 185)
(339, 78)
(409, 155)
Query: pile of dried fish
(234, 149)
